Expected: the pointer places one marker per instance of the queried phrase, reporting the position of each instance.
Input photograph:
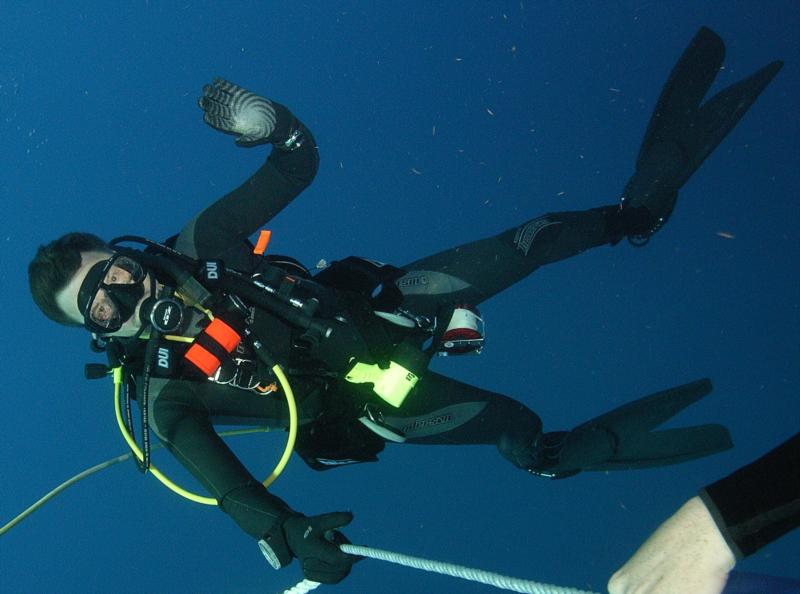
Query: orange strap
(263, 240)
(203, 359)
(223, 334)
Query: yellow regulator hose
(284, 460)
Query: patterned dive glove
(234, 110)
(315, 542)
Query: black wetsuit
(759, 502)
(439, 410)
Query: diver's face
(102, 309)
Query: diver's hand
(686, 553)
(315, 542)
(234, 110)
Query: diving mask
(109, 294)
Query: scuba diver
(198, 321)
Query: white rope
(468, 573)
(302, 587)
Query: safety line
(460, 571)
(97, 468)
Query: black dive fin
(721, 113)
(688, 83)
(623, 438)
(683, 131)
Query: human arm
(760, 502)
(686, 553)
(290, 168)
(182, 413)
(694, 550)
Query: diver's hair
(53, 267)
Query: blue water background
(437, 123)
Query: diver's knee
(529, 237)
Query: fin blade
(647, 413)
(671, 446)
(688, 83)
(720, 114)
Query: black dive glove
(234, 110)
(315, 542)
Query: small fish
(726, 235)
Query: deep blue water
(437, 123)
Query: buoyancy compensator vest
(212, 323)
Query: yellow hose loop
(284, 460)
(287, 451)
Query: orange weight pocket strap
(212, 346)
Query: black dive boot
(682, 132)
(624, 438)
